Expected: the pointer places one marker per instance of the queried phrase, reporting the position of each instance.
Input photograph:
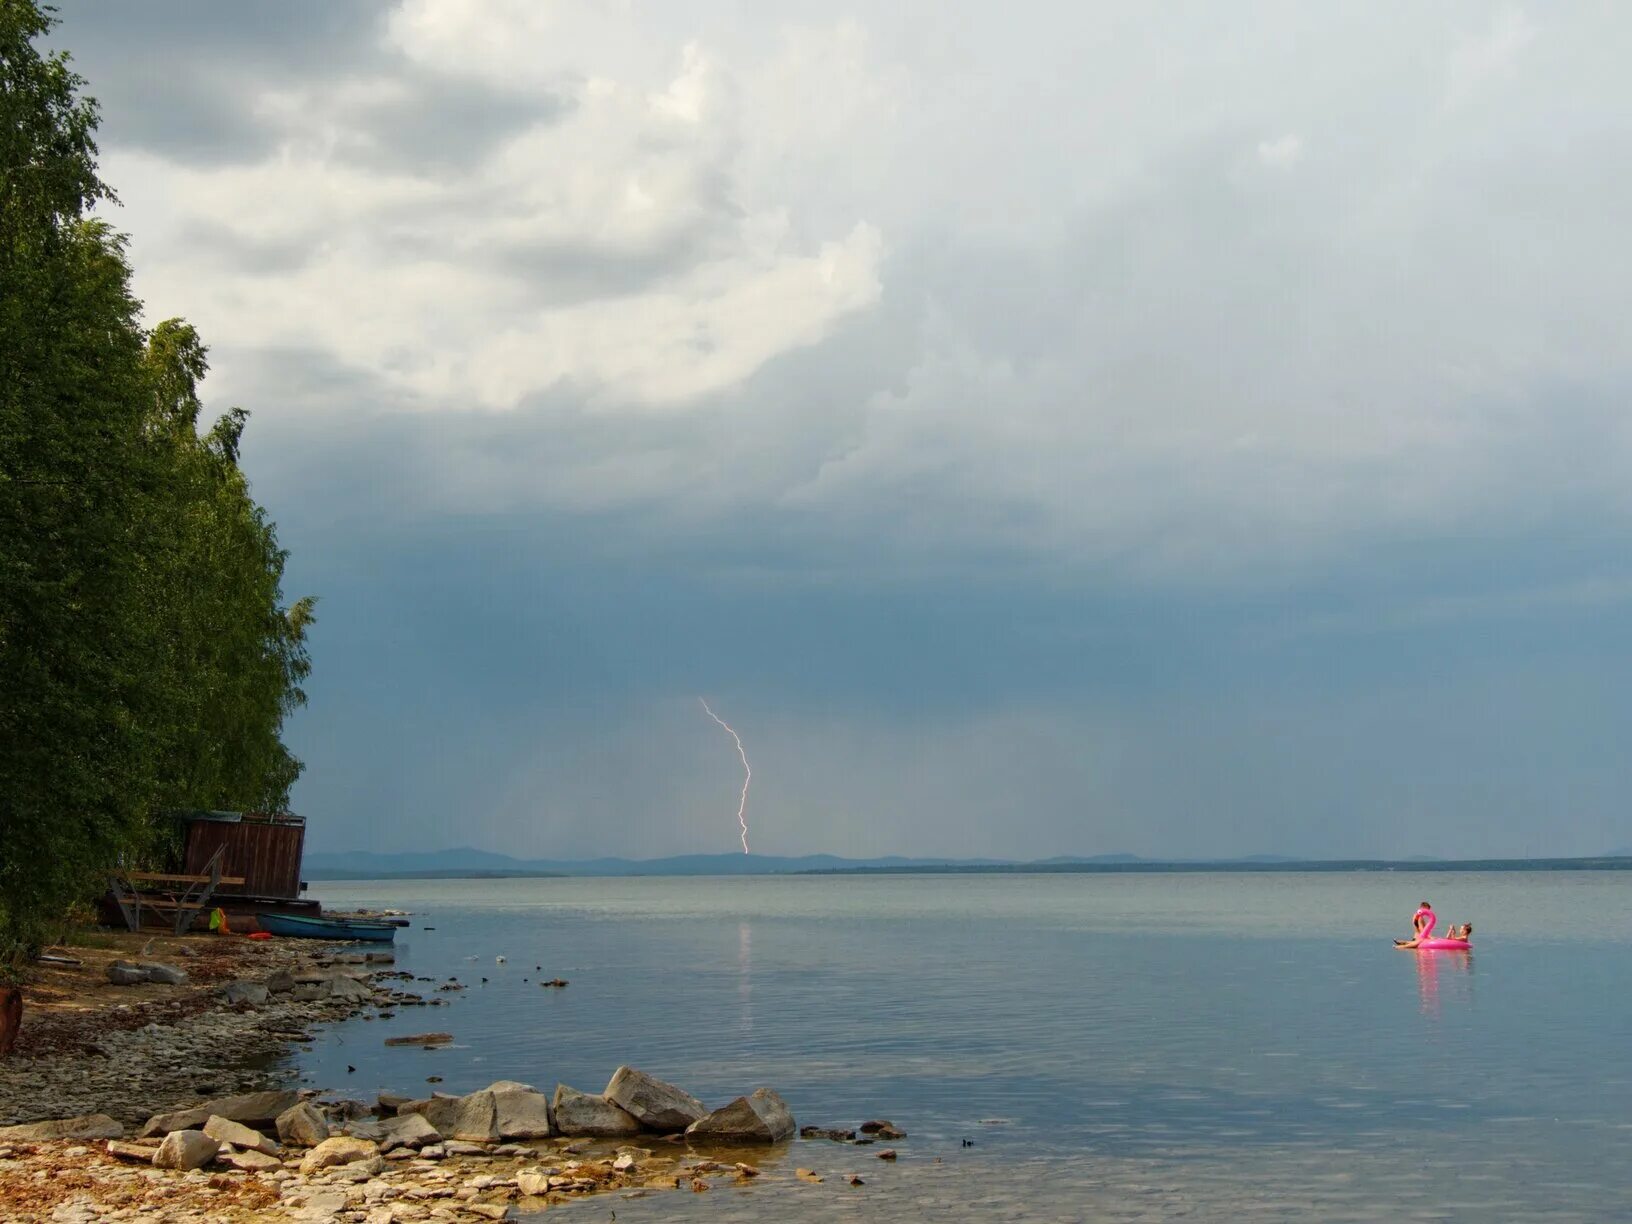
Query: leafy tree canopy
(149, 660)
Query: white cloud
(1282, 152)
(944, 286)
(1477, 60)
(602, 247)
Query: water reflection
(745, 975)
(1457, 967)
(1142, 1021)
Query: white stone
(583, 1114)
(302, 1125)
(520, 1112)
(656, 1105)
(337, 1150)
(225, 1130)
(185, 1149)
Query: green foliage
(148, 661)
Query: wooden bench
(182, 897)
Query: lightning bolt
(747, 771)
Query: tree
(145, 660)
(233, 658)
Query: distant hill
(464, 862)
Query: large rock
(302, 1125)
(142, 1153)
(225, 1130)
(252, 993)
(123, 973)
(362, 1128)
(337, 1150)
(281, 982)
(87, 1126)
(473, 1118)
(249, 1161)
(323, 1207)
(407, 1130)
(349, 988)
(185, 1149)
(762, 1117)
(582, 1114)
(534, 1182)
(655, 1105)
(165, 975)
(252, 1109)
(520, 1111)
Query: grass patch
(92, 938)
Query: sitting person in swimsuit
(1422, 925)
(1463, 932)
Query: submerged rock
(761, 1117)
(581, 1114)
(833, 1133)
(424, 1039)
(654, 1104)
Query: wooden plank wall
(267, 855)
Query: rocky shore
(164, 1097)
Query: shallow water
(1115, 1046)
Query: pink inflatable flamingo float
(1423, 920)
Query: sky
(1039, 428)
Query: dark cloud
(179, 78)
(439, 124)
(1233, 460)
(182, 80)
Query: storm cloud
(1043, 428)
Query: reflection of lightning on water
(747, 773)
(745, 973)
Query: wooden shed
(264, 848)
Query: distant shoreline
(444, 873)
(1180, 867)
(1136, 867)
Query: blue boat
(301, 927)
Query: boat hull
(300, 927)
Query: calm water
(1115, 1046)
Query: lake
(1113, 1046)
